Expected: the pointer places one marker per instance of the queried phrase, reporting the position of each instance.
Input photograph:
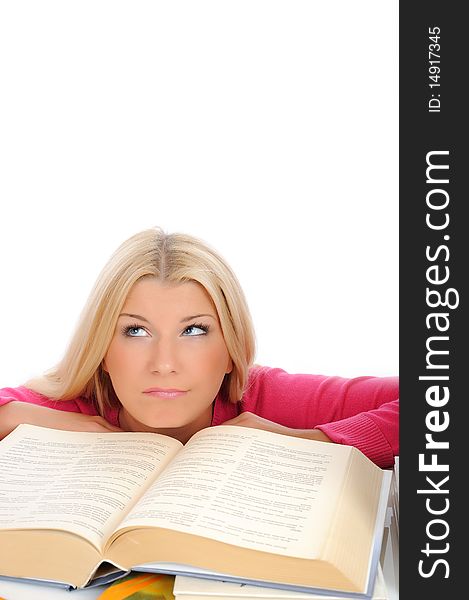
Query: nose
(163, 358)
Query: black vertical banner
(434, 359)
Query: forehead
(151, 294)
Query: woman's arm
(248, 419)
(360, 411)
(16, 412)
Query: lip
(165, 392)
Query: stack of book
(395, 494)
(147, 586)
(234, 504)
(390, 546)
(192, 588)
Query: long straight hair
(169, 258)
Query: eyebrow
(184, 320)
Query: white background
(269, 129)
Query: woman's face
(167, 358)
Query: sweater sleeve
(79, 405)
(360, 411)
(24, 394)
(374, 432)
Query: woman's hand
(14, 413)
(247, 419)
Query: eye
(134, 331)
(195, 330)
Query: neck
(183, 433)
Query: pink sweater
(361, 411)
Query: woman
(165, 344)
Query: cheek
(216, 362)
(116, 359)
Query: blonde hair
(171, 258)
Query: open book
(234, 503)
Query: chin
(166, 423)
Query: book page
(79, 482)
(248, 487)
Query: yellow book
(136, 586)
